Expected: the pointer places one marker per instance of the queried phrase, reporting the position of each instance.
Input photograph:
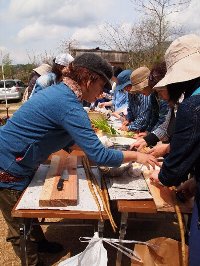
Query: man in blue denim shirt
(155, 112)
(183, 76)
(138, 105)
(51, 120)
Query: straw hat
(43, 69)
(139, 79)
(183, 60)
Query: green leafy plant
(102, 124)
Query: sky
(34, 27)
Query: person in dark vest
(183, 76)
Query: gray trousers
(8, 199)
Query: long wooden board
(165, 198)
(50, 196)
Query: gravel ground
(142, 227)
(12, 107)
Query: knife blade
(63, 177)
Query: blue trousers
(194, 239)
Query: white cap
(64, 59)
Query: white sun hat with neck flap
(182, 60)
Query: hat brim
(108, 84)
(185, 69)
(140, 86)
(40, 71)
(122, 86)
(107, 87)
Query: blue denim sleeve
(78, 125)
(129, 109)
(184, 146)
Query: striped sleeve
(141, 114)
(161, 131)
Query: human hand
(115, 114)
(142, 134)
(125, 122)
(147, 160)
(136, 135)
(154, 176)
(159, 150)
(139, 144)
(124, 128)
(188, 188)
(101, 105)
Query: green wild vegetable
(103, 125)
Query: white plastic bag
(95, 254)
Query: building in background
(115, 58)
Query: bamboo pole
(2, 69)
(181, 228)
(105, 202)
(92, 189)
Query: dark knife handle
(60, 184)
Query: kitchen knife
(63, 177)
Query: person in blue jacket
(183, 76)
(52, 120)
(120, 96)
(59, 67)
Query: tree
(117, 37)
(146, 40)
(68, 46)
(7, 66)
(155, 31)
(37, 59)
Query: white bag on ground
(95, 254)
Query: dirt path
(143, 227)
(12, 107)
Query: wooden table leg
(122, 233)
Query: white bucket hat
(64, 59)
(43, 69)
(182, 60)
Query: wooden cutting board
(165, 198)
(50, 196)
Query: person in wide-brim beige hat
(139, 79)
(183, 60)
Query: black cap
(97, 64)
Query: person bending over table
(52, 120)
(183, 75)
